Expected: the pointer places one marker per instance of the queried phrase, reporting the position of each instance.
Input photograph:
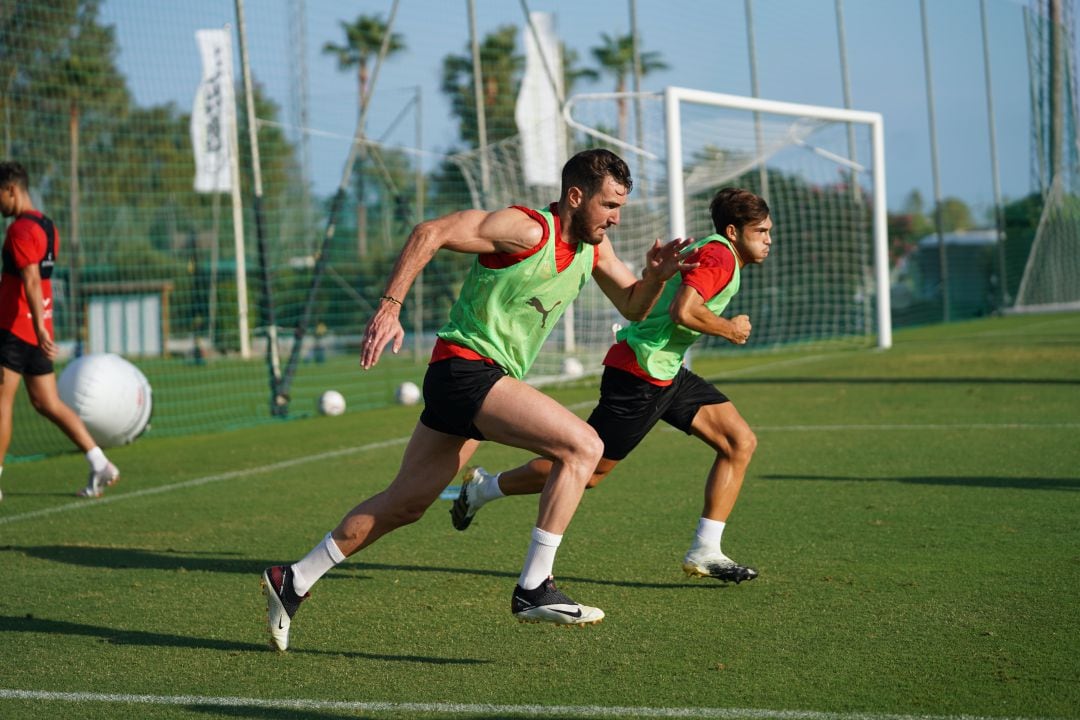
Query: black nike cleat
(462, 511)
(282, 602)
(547, 604)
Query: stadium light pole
(755, 90)
(279, 400)
(418, 285)
(478, 98)
(943, 257)
(995, 173)
(845, 80)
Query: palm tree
(616, 58)
(501, 66)
(363, 40)
(572, 73)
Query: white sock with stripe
(322, 558)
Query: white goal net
(820, 169)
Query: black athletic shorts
(22, 357)
(454, 390)
(630, 407)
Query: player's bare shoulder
(510, 230)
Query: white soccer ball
(331, 402)
(407, 393)
(110, 395)
(572, 367)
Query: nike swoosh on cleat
(279, 625)
(575, 614)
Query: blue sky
(703, 42)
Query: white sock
(709, 533)
(540, 559)
(487, 490)
(315, 564)
(97, 459)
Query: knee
(583, 449)
(43, 406)
(592, 448)
(37, 403)
(744, 444)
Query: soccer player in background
(27, 348)
(530, 266)
(645, 381)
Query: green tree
(364, 39)
(615, 56)
(88, 84)
(955, 215)
(501, 66)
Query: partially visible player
(530, 265)
(645, 381)
(27, 349)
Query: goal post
(821, 169)
(674, 97)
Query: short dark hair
(588, 168)
(13, 173)
(738, 207)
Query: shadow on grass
(188, 561)
(115, 636)
(720, 380)
(1066, 484)
(290, 713)
(271, 713)
(39, 494)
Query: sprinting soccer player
(645, 381)
(27, 348)
(530, 266)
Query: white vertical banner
(214, 113)
(538, 114)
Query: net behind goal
(820, 169)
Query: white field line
(588, 404)
(584, 711)
(285, 464)
(231, 475)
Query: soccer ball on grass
(331, 402)
(407, 393)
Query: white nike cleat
(98, 481)
(705, 562)
(467, 503)
(548, 604)
(282, 602)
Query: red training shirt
(25, 243)
(716, 267)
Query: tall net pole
(943, 257)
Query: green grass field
(915, 515)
